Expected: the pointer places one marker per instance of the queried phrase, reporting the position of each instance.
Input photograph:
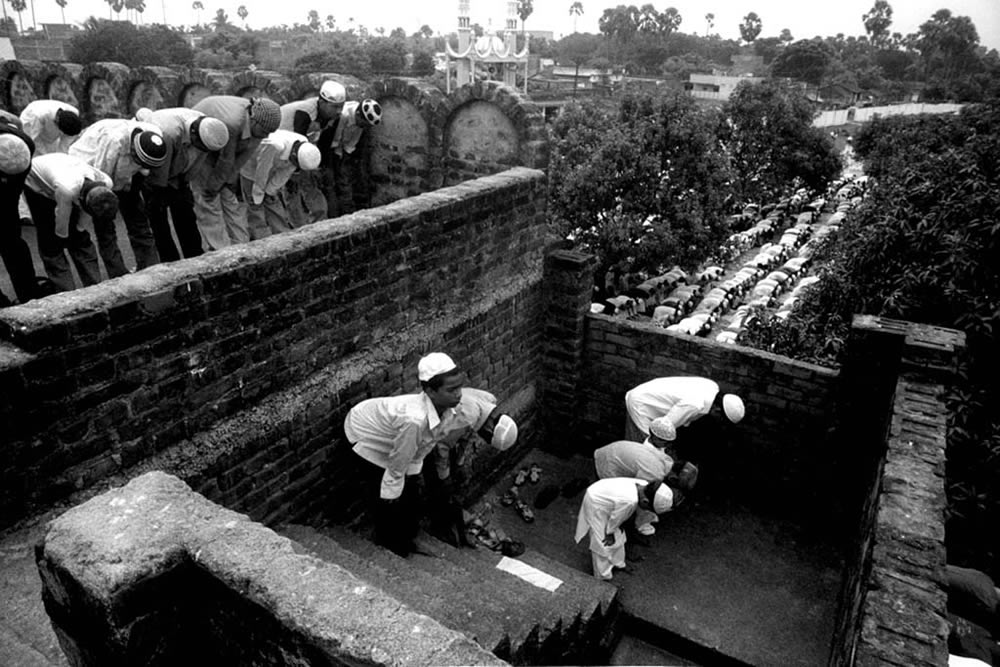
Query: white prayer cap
(504, 433)
(663, 429)
(333, 91)
(732, 405)
(433, 364)
(308, 157)
(663, 500)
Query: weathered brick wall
(780, 455)
(235, 369)
(892, 607)
(426, 140)
(153, 574)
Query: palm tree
(62, 9)
(709, 22)
(576, 10)
(197, 6)
(19, 6)
(242, 13)
(34, 26)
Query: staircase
(517, 621)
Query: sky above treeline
(804, 19)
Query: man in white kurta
(124, 149)
(607, 504)
(627, 458)
(52, 125)
(393, 435)
(59, 188)
(681, 399)
(264, 175)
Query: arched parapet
(261, 83)
(19, 83)
(105, 89)
(406, 148)
(307, 85)
(200, 83)
(152, 88)
(61, 81)
(491, 128)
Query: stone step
(580, 613)
(476, 588)
(542, 621)
(433, 595)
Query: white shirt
(308, 106)
(470, 415)
(348, 132)
(60, 177)
(270, 166)
(395, 433)
(39, 119)
(606, 505)
(106, 145)
(682, 399)
(626, 458)
(182, 154)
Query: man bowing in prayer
(609, 503)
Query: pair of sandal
(495, 541)
(512, 497)
(534, 474)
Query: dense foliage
(123, 42)
(650, 182)
(640, 184)
(924, 247)
(772, 144)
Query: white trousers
(605, 559)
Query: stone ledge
(101, 561)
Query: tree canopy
(773, 145)
(123, 42)
(640, 185)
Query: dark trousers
(13, 249)
(53, 249)
(179, 202)
(140, 236)
(396, 522)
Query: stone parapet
(153, 573)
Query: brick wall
(234, 369)
(780, 455)
(892, 607)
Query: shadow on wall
(426, 140)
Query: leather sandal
(525, 511)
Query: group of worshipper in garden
(638, 479)
(226, 171)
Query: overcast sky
(803, 18)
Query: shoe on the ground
(535, 473)
(511, 548)
(521, 478)
(510, 497)
(524, 511)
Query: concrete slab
(759, 590)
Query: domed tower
(498, 57)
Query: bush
(122, 42)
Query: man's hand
(609, 540)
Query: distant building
(716, 86)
